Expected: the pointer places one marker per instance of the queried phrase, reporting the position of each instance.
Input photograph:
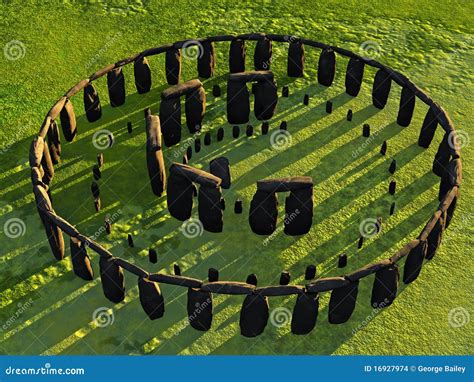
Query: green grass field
(46, 309)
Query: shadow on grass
(125, 159)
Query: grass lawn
(46, 309)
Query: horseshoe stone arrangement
(45, 152)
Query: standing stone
(216, 91)
(220, 134)
(342, 261)
(151, 299)
(254, 315)
(238, 206)
(97, 204)
(95, 189)
(113, 283)
(381, 88)
(152, 256)
(407, 105)
(306, 100)
(305, 313)
(310, 272)
(366, 130)
(263, 54)
(130, 241)
(393, 166)
(207, 60)
(392, 187)
(392, 208)
(100, 159)
(173, 66)
(212, 275)
(329, 107)
(92, 105)
(108, 226)
(252, 279)
(96, 172)
(142, 73)
(295, 64)
(237, 56)
(342, 303)
(354, 75)
(249, 131)
(235, 131)
(207, 139)
(285, 278)
(116, 87)
(326, 67)
(349, 115)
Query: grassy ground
(47, 310)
